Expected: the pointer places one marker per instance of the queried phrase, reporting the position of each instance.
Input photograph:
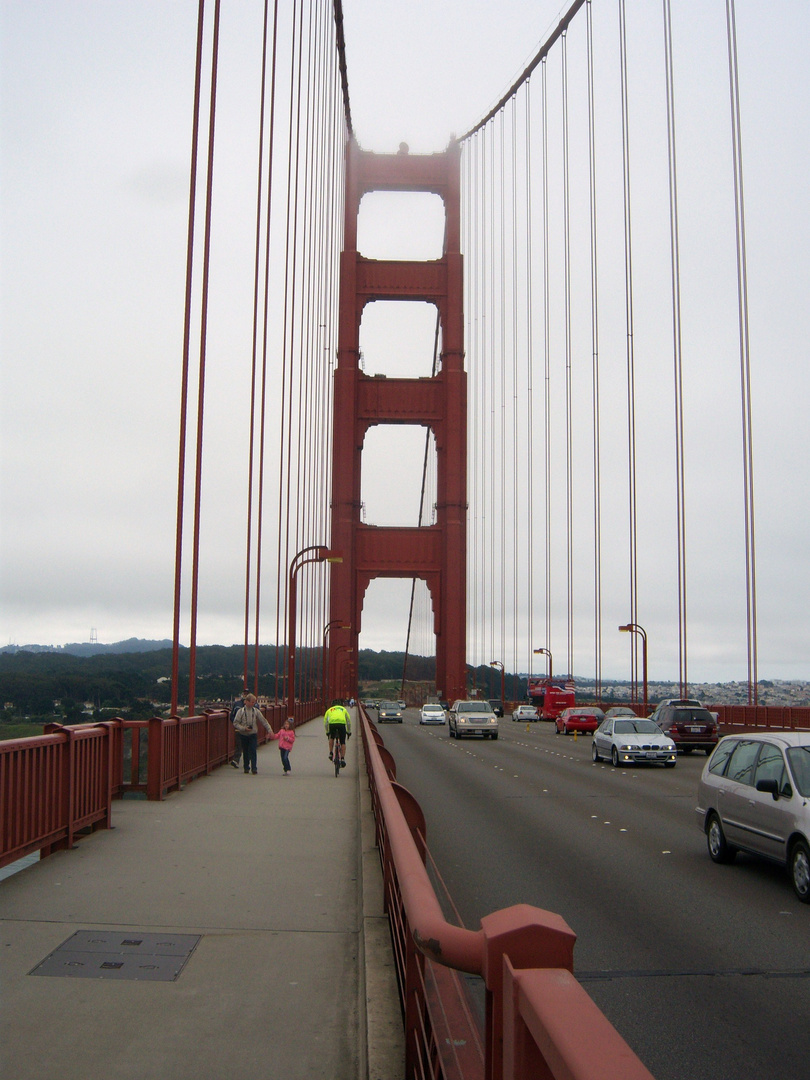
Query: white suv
(473, 718)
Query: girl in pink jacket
(286, 739)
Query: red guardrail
(541, 1024)
(774, 717)
(54, 785)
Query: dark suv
(689, 725)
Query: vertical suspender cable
(515, 377)
(502, 365)
(255, 345)
(283, 549)
(195, 559)
(745, 359)
(597, 437)
(569, 421)
(631, 389)
(529, 374)
(178, 556)
(265, 326)
(677, 353)
(547, 356)
(493, 416)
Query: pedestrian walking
(246, 725)
(286, 741)
(237, 750)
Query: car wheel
(595, 753)
(614, 757)
(800, 870)
(708, 751)
(687, 749)
(494, 737)
(719, 850)
(669, 764)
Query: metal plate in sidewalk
(104, 954)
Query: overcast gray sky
(95, 114)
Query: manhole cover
(95, 954)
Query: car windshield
(474, 706)
(388, 705)
(639, 727)
(799, 758)
(433, 708)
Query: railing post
(154, 776)
(532, 939)
(412, 993)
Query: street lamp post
(634, 628)
(546, 652)
(498, 664)
(335, 624)
(340, 665)
(312, 554)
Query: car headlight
(627, 746)
(462, 720)
(670, 747)
(493, 719)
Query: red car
(584, 718)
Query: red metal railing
(53, 786)
(775, 717)
(57, 785)
(537, 1014)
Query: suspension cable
(677, 353)
(209, 184)
(597, 438)
(569, 420)
(631, 389)
(745, 360)
(181, 469)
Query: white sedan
(525, 712)
(432, 714)
(626, 740)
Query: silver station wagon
(753, 796)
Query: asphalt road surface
(704, 969)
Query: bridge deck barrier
(536, 1012)
(57, 785)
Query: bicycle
(336, 747)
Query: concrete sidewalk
(292, 976)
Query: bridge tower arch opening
(436, 552)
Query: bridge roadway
(292, 975)
(703, 969)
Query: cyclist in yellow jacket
(338, 724)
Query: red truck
(551, 696)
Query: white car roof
(785, 738)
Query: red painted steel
(56, 785)
(437, 553)
(540, 1022)
(775, 717)
(53, 786)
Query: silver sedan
(625, 740)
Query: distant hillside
(87, 648)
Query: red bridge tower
(436, 553)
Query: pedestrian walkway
(272, 881)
